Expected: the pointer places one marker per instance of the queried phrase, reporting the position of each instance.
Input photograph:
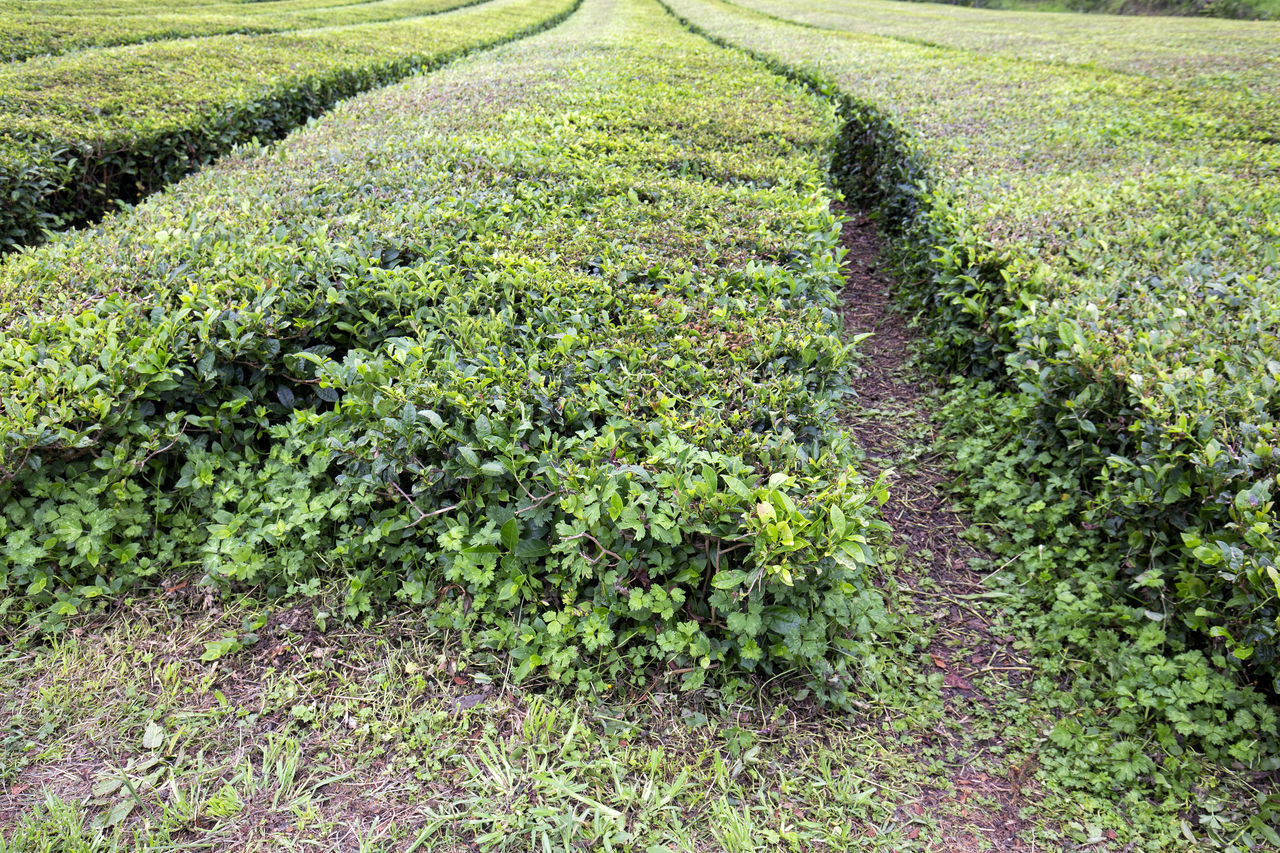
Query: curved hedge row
(1225, 57)
(1240, 9)
(27, 30)
(79, 132)
(546, 344)
(1105, 255)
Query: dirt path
(892, 421)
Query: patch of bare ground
(892, 422)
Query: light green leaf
(729, 578)
(838, 521)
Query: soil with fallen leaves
(892, 422)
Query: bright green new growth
(1103, 248)
(81, 131)
(545, 344)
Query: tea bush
(28, 30)
(1188, 54)
(1242, 9)
(82, 131)
(545, 344)
(1239, 9)
(1099, 253)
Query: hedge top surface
(1119, 203)
(28, 30)
(132, 261)
(140, 89)
(1187, 51)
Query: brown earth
(892, 422)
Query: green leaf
(510, 534)
(108, 786)
(220, 648)
(531, 549)
(118, 813)
(730, 578)
(1208, 555)
(736, 486)
(1069, 333)
(838, 521)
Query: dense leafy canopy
(546, 344)
(1102, 250)
(62, 26)
(81, 131)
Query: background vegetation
(70, 25)
(1247, 9)
(85, 130)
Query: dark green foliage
(80, 132)
(1145, 683)
(546, 345)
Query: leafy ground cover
(547, 347)
(1098, 253)
(28, 29)
(82, 131)
(393, 738)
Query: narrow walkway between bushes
(891, 419)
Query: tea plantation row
(80, 131)
(1244, 9)
(1100, 253)
(28, 29)
(545, 344)
(1229, 58)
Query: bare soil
(892, 422)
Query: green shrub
(1146, 700)
(83, 131)
(1102, 249)
(1239, 9)
(27, 30)
(1187, 54)
(545, 344)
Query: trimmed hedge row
(1240, 9)
(80, 132)
(1105, 255)
(27, 30)
(545, 344)
(1224, 56)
